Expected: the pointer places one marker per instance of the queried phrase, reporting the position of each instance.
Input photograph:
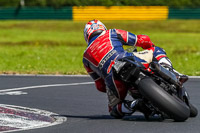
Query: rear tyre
(193, 110)
(171, 105)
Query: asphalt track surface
(85, 108)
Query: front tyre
(171, 105)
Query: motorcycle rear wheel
(171, 105)
(193, 110)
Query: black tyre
(171, 105)
(193, 111)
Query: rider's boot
(166, 63)
(182, 78)
(122, 109)
(129, 107)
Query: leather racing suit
(102, 52)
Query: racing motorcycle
(158, 87)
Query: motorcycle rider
(104, 48)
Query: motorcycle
(158, 87)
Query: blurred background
(62, 3)
(46, 36)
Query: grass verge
(56, 47)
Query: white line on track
(25, 123)
(42, 75)
(45, 86)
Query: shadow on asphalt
(95, 117)
(137, 118)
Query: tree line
(62, 3)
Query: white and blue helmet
(91, 27)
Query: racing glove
(144, 42)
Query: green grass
(41, 59)
(56, 47)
